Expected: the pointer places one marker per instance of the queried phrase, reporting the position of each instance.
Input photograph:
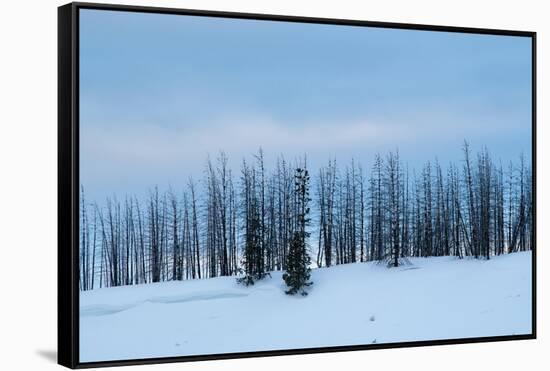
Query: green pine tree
(253, 265)
(298, 272)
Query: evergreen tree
(253, 257)
(298, 271)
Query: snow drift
(362, 303)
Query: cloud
(130, 158)
(148, 149)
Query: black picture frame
(68, 181)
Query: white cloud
(132, 158)
(155, 145)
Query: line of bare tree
(243, 224)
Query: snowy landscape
(277, 260)
(251, 185)
(361, 303)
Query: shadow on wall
(49, 355)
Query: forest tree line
(251, 223)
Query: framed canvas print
(237, 185)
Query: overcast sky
(159, 93)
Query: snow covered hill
(362, 303)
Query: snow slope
(434, 298)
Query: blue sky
(159, 93)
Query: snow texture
(352, 304)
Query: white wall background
(28, 177)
